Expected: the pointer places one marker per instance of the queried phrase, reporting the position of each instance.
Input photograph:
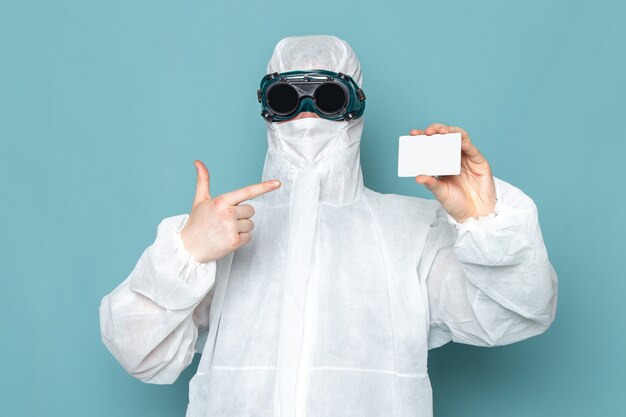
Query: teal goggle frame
(331, 95)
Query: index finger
(247, 193)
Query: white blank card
(429, 155)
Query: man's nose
(302, 116)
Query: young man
(332, 307)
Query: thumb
(429, 182)
(203, 188)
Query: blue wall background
(104, 105)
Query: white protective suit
(331, 309)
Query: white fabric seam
(379, 371)
(324, 368)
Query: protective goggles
(331, 95)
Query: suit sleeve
(151, 321)
(489, 281)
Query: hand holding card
(468, 193)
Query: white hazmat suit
(331, 309)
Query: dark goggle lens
(282, 98)
(330, 98)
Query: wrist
(188, 242)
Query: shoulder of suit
(402, 205)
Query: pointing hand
(218, 226)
